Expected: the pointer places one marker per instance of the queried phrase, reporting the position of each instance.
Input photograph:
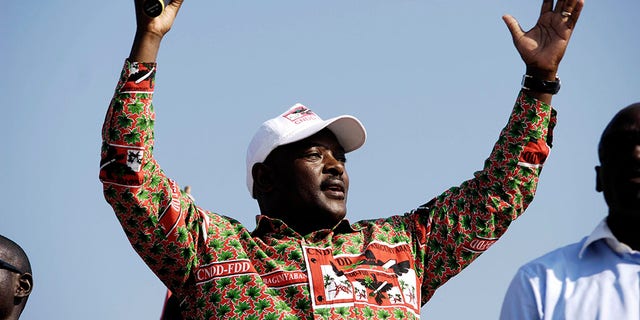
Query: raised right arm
(162, 223)
(150, 31)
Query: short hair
(11, 248)
(617, 126)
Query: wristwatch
(544, 86)
(153, 8)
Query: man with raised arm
(304, 260)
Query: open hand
(542, 47)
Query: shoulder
(559, 260)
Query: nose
(333, 165)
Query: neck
(304, 227)
(12, 315)
(624, 227)
(301, 220)
(301, 226)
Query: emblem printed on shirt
(134, 159)
(141, 79)
(223, 269)
(382, 276)
(534, 154)
(281, 279)
(122, 165)
(172, 218)
(479, 244)
(233, 268)
(300, 114)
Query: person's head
(296, 167)
(618, 175)
(16, 281)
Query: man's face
(311, 180)
(619, 173)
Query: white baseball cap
(298, 123)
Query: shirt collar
(267, 225)
(602, 231)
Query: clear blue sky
(433, 81)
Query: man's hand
(150, 31)
(542, 47)
(161, 24)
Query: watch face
(153, 8)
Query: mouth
(334, 188)
(633, 176)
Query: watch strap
(545, 86)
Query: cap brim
(349, 131)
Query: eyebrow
(311, 144)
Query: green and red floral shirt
(375, 269)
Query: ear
(263, 178)
(598, 179)
(25, 285)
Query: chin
(336, 216)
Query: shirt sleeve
(522, 299)
(160, 220)
(454, 228)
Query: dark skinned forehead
(312, 141)
(13, 253)
(623, 128)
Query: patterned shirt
(373, 269)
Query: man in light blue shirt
(598, 277)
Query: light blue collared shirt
(596, 278)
